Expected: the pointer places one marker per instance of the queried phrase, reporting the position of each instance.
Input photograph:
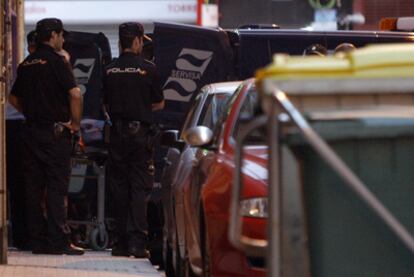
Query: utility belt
(127, 128)
(130, 127)
(59, 130)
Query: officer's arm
(76, 104)
(158, 102)
(15, 102)
(158, 106)
(16, 93)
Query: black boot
(69, 249)
(138, 252)
(119, 251)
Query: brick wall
(374, 10)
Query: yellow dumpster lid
(376, 67)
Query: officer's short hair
(315, 50)
(127, 33)
(46, 26)
(31, 38)
(344, 48)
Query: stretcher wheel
(95, 240)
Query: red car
(207, 196)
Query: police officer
(46, 92)
(315, 50)
(131, 92)
(344, 48)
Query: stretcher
(88, 169)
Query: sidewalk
(92, 264)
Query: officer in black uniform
(315, 50)
(46, 92)
(131, 92)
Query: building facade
(374, 10)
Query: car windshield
(248, 111)
(223, 116)
(192, 113)
(212, 109)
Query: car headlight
(254, 207)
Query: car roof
(223, 87)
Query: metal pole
(100, 170)
(20, 31)
(5, 76)
(274, 251)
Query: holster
(150, 167)
(133, 127)
(76, 144)
(127, 128)
(154, 132)
(59, 130)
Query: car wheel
(189, 272)
(183, 268)
(205, 246)
(180, 267)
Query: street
(23, 263)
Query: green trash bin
(345, 238)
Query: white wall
(105, 15)
(108, 12)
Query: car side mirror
(198, 136)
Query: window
(212, 109)
(248, 111)
(223, 116)
(192, 112)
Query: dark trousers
(47, 168)
(15, 183)
(130, 183)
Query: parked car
(341, 200)
(207, 193)
(205, 112)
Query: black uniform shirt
(131, 86)
(43, 83)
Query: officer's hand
(71, 126)
(74, 127)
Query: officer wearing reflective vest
(131, 91)
(46, 93)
